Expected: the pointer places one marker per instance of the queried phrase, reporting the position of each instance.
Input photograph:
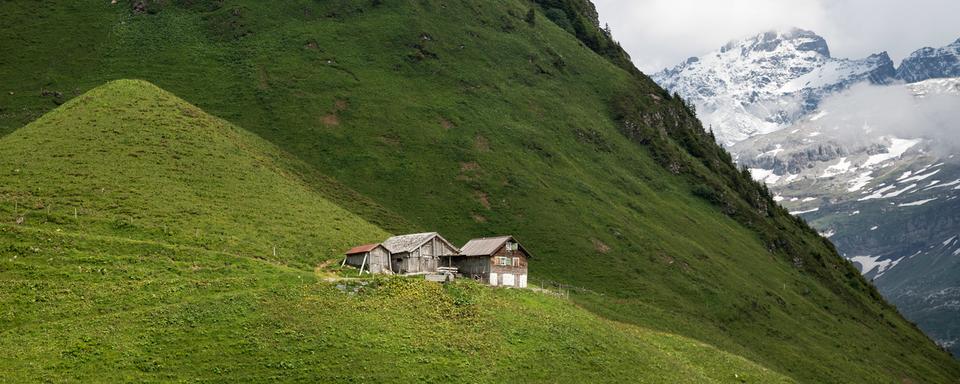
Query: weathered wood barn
(495, 260)
(419, 252)
(372, 258)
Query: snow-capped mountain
(931, 63)
(766, 82)
(871, 162)
(877, 170)
(859, 127)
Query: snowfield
(897, 148)
(764, 175)
(807, 211)
(842, 167)
(917, 203)
(860, 181)
(869, 263)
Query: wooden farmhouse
(372, 258)
(500, 261)
(495, 260)
(419, 252)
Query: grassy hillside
(163, 273)
(131, 160)
(127, 290)
(81, 309)
(475, 119)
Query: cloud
(895, 111)
(661, 33)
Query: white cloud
(895, 111)
(661, 33)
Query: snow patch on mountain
(916, 203)
(881, 193)
(839, 168)
(869, 263)
(764, 175)
(951, 240)
(919, 177)
(805, 211)
(896, 149)
(860, 181)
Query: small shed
(494, 260)
(419, 252)
(373, 258)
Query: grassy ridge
(120, 293)
(130, 160)
(88, 309)
(471, 120)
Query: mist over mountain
(867, 153)
(930, 111)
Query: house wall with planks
(504, 267)
(375, 261)
(425, 258)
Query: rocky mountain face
(763, 83)
(875, 169)
(931, 63)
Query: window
(511, 246)
(516, 261)
(503, 260)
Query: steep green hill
(163, 273)
(476, 119)
(131, 160)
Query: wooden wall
(427, 258)
(484, 268)
(376, 260)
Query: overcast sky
(661, 33)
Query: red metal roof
(362, 248)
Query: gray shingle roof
(483, 247)
(407, 243)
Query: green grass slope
(474, 119)
(86, 309)
(131, 160)
(163, 273)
